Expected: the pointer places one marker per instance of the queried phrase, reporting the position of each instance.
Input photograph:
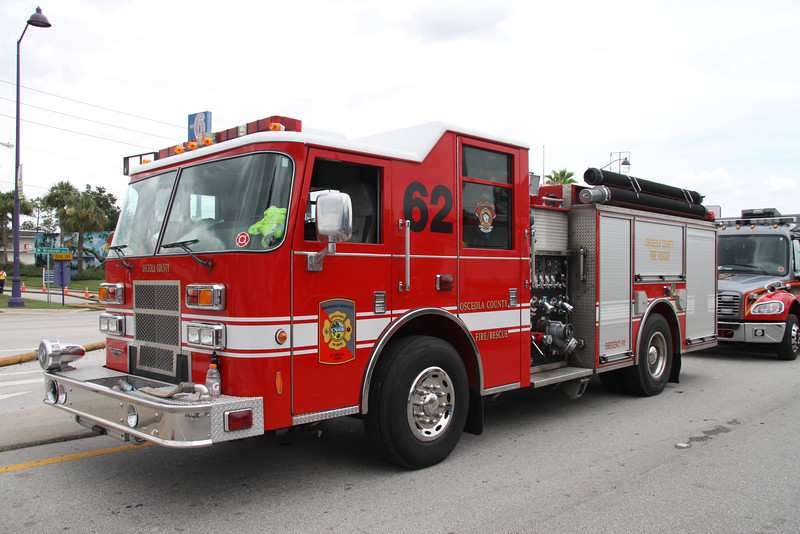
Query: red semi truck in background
(759, 280)
(400, 278)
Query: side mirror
(334, 224)
(334, 217)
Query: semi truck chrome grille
(157, 325)
(728, 304)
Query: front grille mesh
(161, 329)
(155, 359)
(157, 297)
(728, 304)
(157, 323)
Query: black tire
(408, 423)
(614, 381)
(789, 348)
(649, 377)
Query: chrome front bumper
(183, 421)
(750, 332)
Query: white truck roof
(412, 144)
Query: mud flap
(474, 424)
(675, 372)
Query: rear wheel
(418, 402)
(789, 347)
(649, 377)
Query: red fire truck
(389, 277)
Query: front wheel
(789, 347)
(649, 377)
(418, 402)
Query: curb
(30, 356)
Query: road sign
(61, 274)
(61, 256)
(46, 250)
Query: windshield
(232, 204)
(765, 254)
(142, 213)
(238, 203)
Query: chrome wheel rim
(430, 404)
(657, 355)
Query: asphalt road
(719, 452)
(24, 419)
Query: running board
(556, 376)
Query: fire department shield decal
(337, 331)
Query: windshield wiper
(118, 250)
(185, 246)
(733, 267)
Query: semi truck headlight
(773, 307)
(112, 323)
(206, 335)
(55, 356)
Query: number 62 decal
(415, 207)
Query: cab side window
(361, 182)
(486, 198)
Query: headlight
(206, 335)
(133, 416)
(205, 296)
(112, 323)
(50, 391)
(111, 293)
(772, 307)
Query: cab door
(494, 259)
(339, 310)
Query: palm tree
(57, 198)
(561, 177)
(82, 215)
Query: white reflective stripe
(227, 319)
(305, 335)
(491, 320)
(367, 331)
(254, 337)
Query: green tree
(560, 177)
(57, 198)
(107, 203)
(45, 218)
(6, 213)
(82, 215)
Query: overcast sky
(704, 95)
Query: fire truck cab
(759, 280)
(388, 277)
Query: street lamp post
(624, 160)
(40, 21)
